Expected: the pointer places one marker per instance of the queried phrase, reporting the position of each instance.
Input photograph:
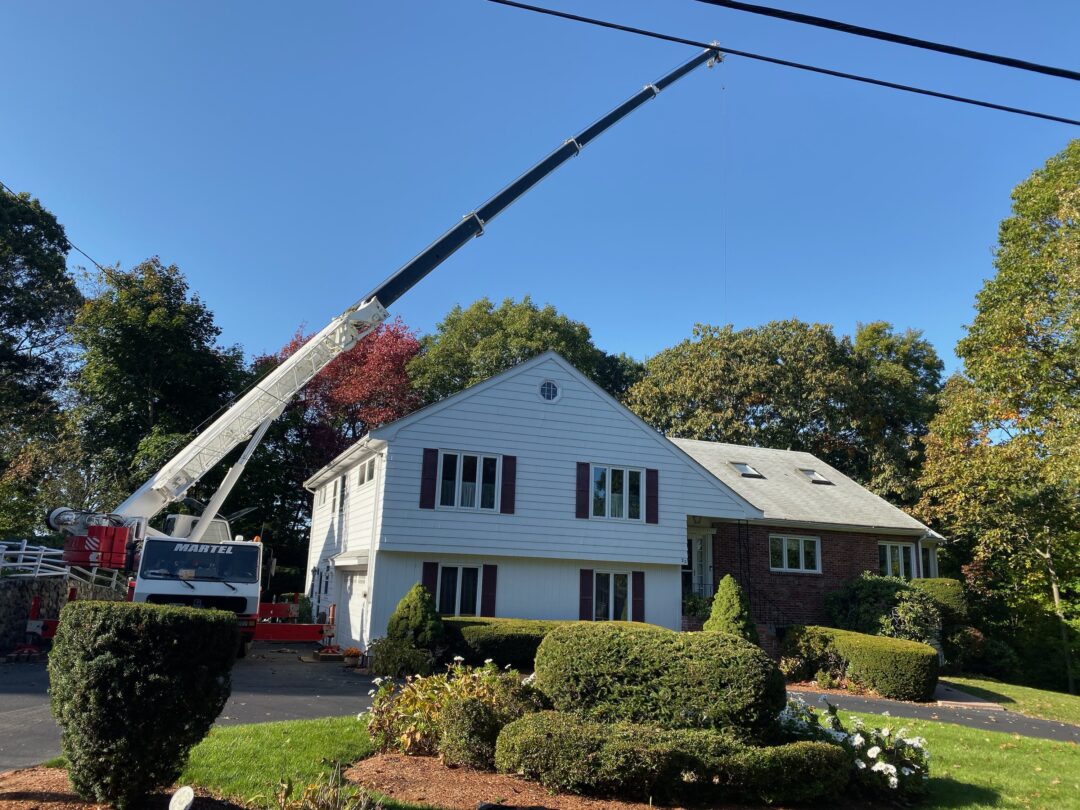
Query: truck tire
(242, 650)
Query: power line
(786, 62)
(71, 245)
(898, 39)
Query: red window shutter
(509, 486)
(430, 579)
(585, 609)
(428, 474)
(652, 496)
(487, 590)
(637, 597)
(581, 507)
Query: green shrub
(696, 606)
(731, 611)
(892, 667)
(915, 618)
(507, 642)
(134, 687)
(566, 752)
(415, 620)
(949, 599)
(395, 658)
(861, 603)
(615, 671)
(469, 728)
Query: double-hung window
(611, 597)
(458, 590)
(616, 492)
(468, 481)
(795, 553)
(367, 472)
(894, 560)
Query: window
(815, 477)
(459, 590)
(367, 472)
(334, 497)
(343, 490)
(468, 481)
(611, 597)
(894, 560)
(791, 553)
(549, 391)
(322, 495)
(929, 561)
(745, 470)
(616, 493)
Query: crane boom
(269, 397)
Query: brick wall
(778, 599)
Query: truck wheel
(242, 650)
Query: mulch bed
(426, 780)
(48, 789)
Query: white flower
(886, 714)
(378, 681)
(906, 771)
(371, 692)
(873, 752)
(884, 767)
(507, 667)
(860, 764)
(489, 661)
(360, 716)
(858, 741)
(894, 782)
(917, 742)
(458, 658)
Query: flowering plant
(885, 762)
(404, 715)
(351, 652)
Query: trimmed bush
(415, 620)
(134, 687)
(614, 671)
(510, 642)
(566, 752)
(948, 597)
(470, 727)
(914, 618)
(395, 658)
(892, 667)
(731, 611)
(887, 606)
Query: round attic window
(549, 391)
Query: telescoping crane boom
(249, 417)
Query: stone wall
(16, 595)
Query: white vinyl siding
(794, 553)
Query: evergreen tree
(731, 611)
(414, 620)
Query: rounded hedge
(567, 752)
(470, 727)
(510, 642)
(892, 667)
(134, 687)
(614, 671)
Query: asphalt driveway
(270, 684)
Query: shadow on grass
(979, 692)
(946, 792)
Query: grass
(974, 769)
(1022, 699)
(247, 763)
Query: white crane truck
(195, 560)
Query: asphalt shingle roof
(787, 494)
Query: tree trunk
(1062, 625)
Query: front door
(697, 571)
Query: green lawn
(247, 763)
(974, 769)
(970, 769)
(1022, 699)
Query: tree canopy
(472, 344)
(861, 406)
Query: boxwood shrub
(948, 597)
(470, 727)
(892, 667)
(618, 671)
(567, 752)
(134, 687)
(510, 642)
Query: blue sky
(289, 156)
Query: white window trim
(558, 392)
(800, 538)
(931, 571)
(480, 456)
(611, 590)
(916, 560)
(626, 493)
(366, 472)
(457, 590)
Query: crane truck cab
(216, 572)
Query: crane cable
(785, 62)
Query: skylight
(815, 477)
(745, 470)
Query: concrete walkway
(990, 717)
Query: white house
(536, 495)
